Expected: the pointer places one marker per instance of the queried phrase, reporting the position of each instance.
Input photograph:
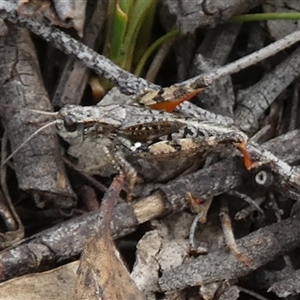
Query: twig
(243, 62)
(274, 172)
(201, 209)
(260, 246)
(288, 286)
(242, 214)
(229, 236)
(247, 199)
(67, 239)
(192, 233)
(73, 79)
(252, 293)
(158, 60)
(127, 82)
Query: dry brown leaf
(58, 284)
(102, 274)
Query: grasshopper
(158, 144)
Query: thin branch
(244, 62)
(127, 82)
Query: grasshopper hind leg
(125, 170)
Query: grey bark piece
(217, 43)
(290, 286)
(73, 79)
(280, 28)
(218, 98)
(285, 146)
(38, 163)
(253, 101)
(191, 15)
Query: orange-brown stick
(247, 158)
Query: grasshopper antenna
(28, 139)
(41, 112)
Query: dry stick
(229, 235)
(247, 199)
(285, 146)
(252, 293)
(127, 82)
(73, 80)
(67, 239)
(275, 173)
(245, 212)
(260, 247)
(244, 62)
(158, 60)
(289, 286)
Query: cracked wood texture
(38, 163)
(206, 13)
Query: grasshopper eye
(70, 124)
